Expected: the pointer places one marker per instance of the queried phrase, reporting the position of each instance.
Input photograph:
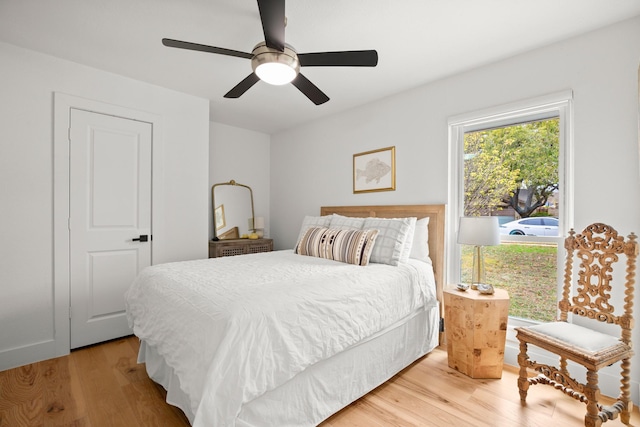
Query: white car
(535, 226)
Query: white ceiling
(418, 41)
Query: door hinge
(441, 324)
(69, 312)
(69, 223)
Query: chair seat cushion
(577, 341)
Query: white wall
(242, 155)
(311, 165)
(28, 82)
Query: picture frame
(374, 170)
(219, 216)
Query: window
(533, 213)
(511, 172)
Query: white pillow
(394, 241)
(312, 221)
(420, 245)
(346, 222)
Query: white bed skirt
(326, 387)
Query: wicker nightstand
(239, 247)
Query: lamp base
(477, 273)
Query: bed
(284, 339)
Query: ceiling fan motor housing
(273, 66)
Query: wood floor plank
(24, 414)
(402, 409)
(78, 396)
(439, 393)
(143, 397)
(121, 356)
(428, 398)
(21, 397)
(511, 411)
(369, 409)
(60, 407)
(358, 414)
(104, 397)
(18, 385)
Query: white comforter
(233, 328)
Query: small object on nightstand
(462, 286)
(485, 289)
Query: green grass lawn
(527, 271)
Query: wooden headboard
(436, 227)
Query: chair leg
(625, 393)
(591, 392)
(523, 379)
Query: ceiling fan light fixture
(275, 73)
(275, 67)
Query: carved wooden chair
(597, 249)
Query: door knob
(142, 238)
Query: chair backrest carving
(597, 249)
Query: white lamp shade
(479, 231)
(258, 222)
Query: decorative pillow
(350, 246)
(312, 221)
(394, 239)
(346, 222)
(420, 246)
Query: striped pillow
(350, 246)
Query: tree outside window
(511, 167)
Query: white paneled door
(110, 220)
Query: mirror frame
(213, 205)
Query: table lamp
(478, 231)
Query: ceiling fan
(276, 62)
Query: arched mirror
(232, 204)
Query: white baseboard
(35, 352)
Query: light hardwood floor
(103, 385)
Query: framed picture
(219, 217)
(374, 170)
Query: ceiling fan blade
(273, 22)
(347, 58)
(310, 90)
(243, 86)
(205, 48)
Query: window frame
(549, 106)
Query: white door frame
(63, 103)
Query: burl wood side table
(475, 331)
